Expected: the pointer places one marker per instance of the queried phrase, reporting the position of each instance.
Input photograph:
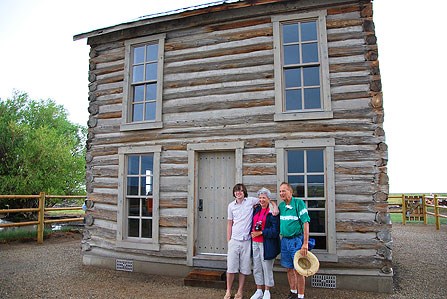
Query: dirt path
(54, 270)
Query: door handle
(200, 205)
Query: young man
(294, 229)
(240, 212)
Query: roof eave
(162, 17)
(175, 15)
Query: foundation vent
(324, 281)
(124, 265)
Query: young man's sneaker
(292, 296)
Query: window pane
(148, 207)
(152, 52)
(134, 207)
(290, 33)
(151, 91)
(147, 166)
(316, 204)
(138, 93)
(137, 113)
(315, 161)
(151, 71)
(317, 221)
(312, 98)
(320, 241)
(150, 111)
(133, 165)
(295, 161)
(143, 185)
(309, 31)
(293, 100)
(315, 186)
(149, 186)
(310, 52)
(311, 76)
(297, 183)
(291, 54)
(147, 162)
(138, 55)
(146, 228)
(132, 186)
(137, 73)
(133, 230)
(293, 77)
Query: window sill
(303, 115)
(141, 126)
(325, 256)
(138, 245)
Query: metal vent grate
(324, 281)
(124, 265)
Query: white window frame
(127, 124)
(122, 240)
(326, 109)
(328, 145)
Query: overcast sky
(38, 56)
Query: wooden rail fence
(41, 209)
(418, 207)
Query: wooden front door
(216, 178)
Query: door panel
(216, 178)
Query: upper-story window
(301, 67)
(143, 83)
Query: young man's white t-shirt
(241, 214)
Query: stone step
(207, 278)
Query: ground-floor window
(138, 196)
(308, 166)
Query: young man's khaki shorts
(239, 257)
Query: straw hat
(306, 265)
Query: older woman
(265, 243)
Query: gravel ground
(54, 270)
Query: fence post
(424, 209)
(437, 220)
(41, 218)
(404, 210)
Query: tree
(40, 149)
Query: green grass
(397, 218)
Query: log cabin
(184, 104)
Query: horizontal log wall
(219, 87)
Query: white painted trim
(318, 142)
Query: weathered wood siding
(219, 86)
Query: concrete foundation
(362, 280)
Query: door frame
(193, 153)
